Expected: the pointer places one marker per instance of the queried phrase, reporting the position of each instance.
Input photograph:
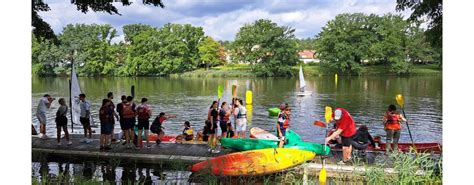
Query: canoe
(259, 133)
(254, 162)
(405, 147)
(273, 111)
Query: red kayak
(405, 147)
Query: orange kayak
(254, 162)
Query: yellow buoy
(248, 97)
(335, 78)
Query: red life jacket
(286, 124)
(103, 116)
(128, 111)
(392, 122)
(142, 112)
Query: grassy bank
(243, 70)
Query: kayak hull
(273, 111)
(259, 133)
(406, 147)
(254, 162)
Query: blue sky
(221, 19)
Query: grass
(244, 70)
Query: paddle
(400, 102)
(133, 91)
(319, 124)
(234, 94)
(322, 173)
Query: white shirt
(85, 106)
(42, 106)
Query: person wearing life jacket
(213, 117)
(241, 114)
(106, 117)
(157, 125)
(119, 108)
(110, 96)
(129, 114)
(283, 122)
(143, 116)
(392, 126)
(346, 128)
(224, 118)
(187, 133)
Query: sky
(220, 19)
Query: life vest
(103, 115)
(393, 122)
(188, 131)
(142, 112)
(128, 111)
(242, 113)
(283, 121)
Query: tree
(270, 49)
(209, 52)
(46, 58)
(133, 30)
(305, 44)
(42, 29)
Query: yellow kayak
(254, 162)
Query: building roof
(306, 54)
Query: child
(143, 115)
(106, 116)
(283, 123)
(230, 131)
(61, 121)
(392, 125)
(187, 133)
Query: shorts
(106, 128)
(128, 123)
(346, 141)
(223, 125)
(61, 121)
(241, 124)
(393, 136)
(41, 118)
(143, 124)
(85, 122)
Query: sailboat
(302, 91)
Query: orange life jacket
(392, 122)
(128, 111)
(142, 112)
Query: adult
(61, 121)
(362, 138)
(346, 128)
(283, 123)
(241, 114)
(106, 116)
(110, 97)
(123, 99)
(144, 114)
(129, 114)
(392, 125)
(213, 117)
(224, 117)
(157, 125)
(85, 117)
(43, 107)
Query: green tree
(306, 44)
(46, 58)
(133, 30)
(209, 52)
(270, 49)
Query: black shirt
(363, 136)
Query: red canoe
(405, 147)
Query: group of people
(346, 134)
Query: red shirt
(346, 123)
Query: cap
(337, 114)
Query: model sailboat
(302, 91)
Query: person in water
(157, 125)
(106, 117)
(143, 116)
(213, 117)
(85, 117)
(392, 125)
(283, 123)
(241, 114)
(61, 121)
(43, 107)
(346, 128)
(187, 133)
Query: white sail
(302, 82)
(75, 91)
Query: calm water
(366, 98)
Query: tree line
(345, 45)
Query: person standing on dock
(240, 113)
(392, 126)
(346, 128)
(224, 117)
(43, 107)
(129, 113)
(144, 114)
(213, 117)
(85, 117)
(106, 116)
(283, 123)
(61, 121)
(120, 111)
(110, 97)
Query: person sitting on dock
(204, 134)
(346, 128)
(144, 114)
(85, 117)
(106, 117)
(129, 114)
(61, 121)
(283, 123)
(362, 138)
(392, 126)
(157, 125)
(187, 133)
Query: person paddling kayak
(346, 128)
(392, 125)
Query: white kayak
(259, 133)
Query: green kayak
(273, 111)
